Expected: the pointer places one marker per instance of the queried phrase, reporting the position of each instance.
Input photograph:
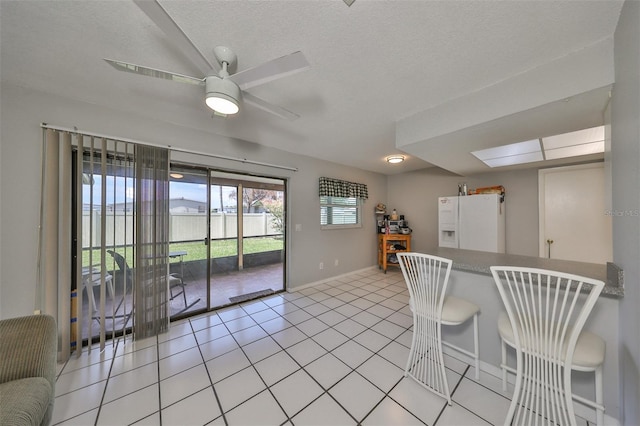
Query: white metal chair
(545, 314)
(174, 280)
(427, 278)
(91, 277)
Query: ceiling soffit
(565, 95)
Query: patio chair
(92, 277)
(174, 280)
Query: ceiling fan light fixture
(395, 159)
(223, 95)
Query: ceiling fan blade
(152, 72)
(159, 15)
(248, 98)
(272, 70)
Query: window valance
(341, 188)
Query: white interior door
(573, 223)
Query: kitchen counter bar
(480, 261)
(471, 279)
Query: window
(339, 212)
(340, 203)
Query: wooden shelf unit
(386, 240)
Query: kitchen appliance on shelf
(475, 222)
(391, 224)
(395, 226)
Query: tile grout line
(353, 370)
(326, 391)
(302, 368)
(367, 328)
(386, 394)
(309, 336)
(158, 375)
(106, 385)
(267, 387)
(435, 422)
(204, 362)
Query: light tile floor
(333, 354)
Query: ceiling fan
(225, 89)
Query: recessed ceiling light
(394, 159)
(176, 175)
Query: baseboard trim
(326, 280)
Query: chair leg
(184, 296)
(503, 347)
(599, 396)
(112, 293)
(476, 350)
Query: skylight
(582, 142)
(573, 144)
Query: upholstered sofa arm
(28, 349)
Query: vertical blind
(152, 230)
(119, 282)
(54, 272)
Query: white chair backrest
(547, 311)
(427, 278)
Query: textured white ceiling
(372, 64)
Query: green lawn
(197, 250)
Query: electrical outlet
(336, 262)
(321, 265)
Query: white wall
(20, 165)
(521, 205)
(416, 196)
(625, 157)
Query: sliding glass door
(247, 237)
(225, 235)
(223, 243)
(188, 229)
(209, 210)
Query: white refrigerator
(472, 222)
